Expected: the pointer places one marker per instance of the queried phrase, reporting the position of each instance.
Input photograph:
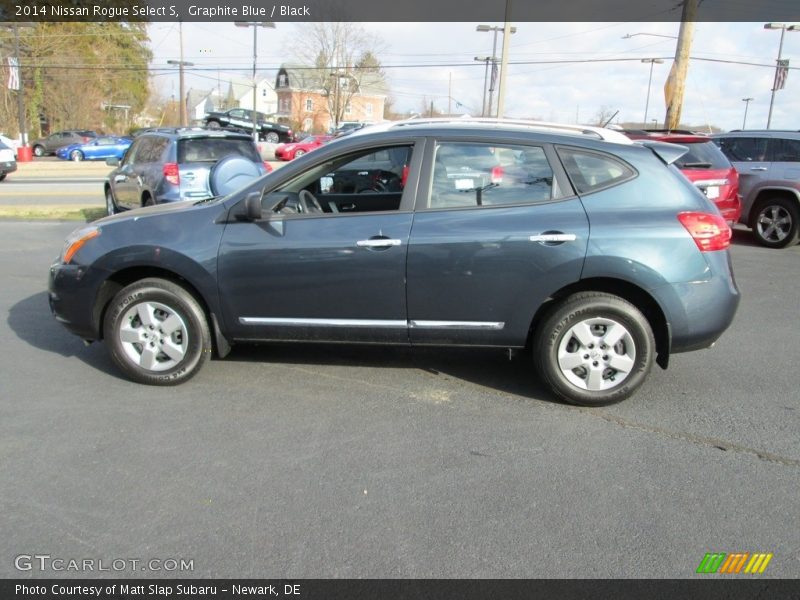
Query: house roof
(195, 97)
(303, 77)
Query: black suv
(242, 119)
(168, 165)
(574, 242)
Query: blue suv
(589, 250)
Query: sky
(421, 61)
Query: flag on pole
(493, 80)
(13, 73)
(781, 73)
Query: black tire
(272, 137)
(3, 176)
(38, 150)
(76, 156)
(299, 153)
(213, 125)
(147, 200)
(593, 379)
(146, 353)
(111, 205)
(776, 223)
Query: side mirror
(112, 161)
(252, 206)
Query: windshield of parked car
(213, 149)
(703, 155)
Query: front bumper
(71, 297)
(8, 166)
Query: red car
(295, 149)
(705, 166)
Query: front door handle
(553, 237)
(758, 168)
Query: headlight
(76, 240)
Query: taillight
(497, 175)
(709, 232)
(404, 176)
(171, 173)
(268, 167)
(85, 139)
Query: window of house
(368, 109)
(283, 80)
(480, 174)
(348, 109)
(309, 105)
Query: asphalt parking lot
(327, 461)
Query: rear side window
(744, 149)
(475, 174)
(214, 149)
(593, 171)
(786, 150)
(703, 155)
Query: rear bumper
(8, 167)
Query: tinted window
(704, 155)
(744, 149)
(482, 175)
(786, 150)
(213, 149)
(151, 150)
(590, 171)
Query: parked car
(54, 141)
(181, 164)
(768, 163)
(617, 264)
(705, 166)
(294, 149)
(8, 163)
(346, 127)
(241, 118)
(10, 143)
(98, 149)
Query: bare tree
(340, 60)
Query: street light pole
(484, 59)
(652, 61)
(182, 107)
(747, 102)
(255, 25)
(783, 27)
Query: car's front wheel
(38, 151)
(76, 155)
(776, 222)
(594, 349)
(299, 153)
(213, 125)
(157, 332)
(272, 137)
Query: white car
(7, 141)
(8, 163)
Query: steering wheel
(308, 202)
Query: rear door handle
(758, 168)
(378, 243)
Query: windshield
(703, 155)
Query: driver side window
(368, 181)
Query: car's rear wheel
(111, 206)
(272, 137)
(76, 155)
(594, 349)
(157, 332)
(147, 200)
(3, 176)
(213, 125)
(38, 151)
(776, 224)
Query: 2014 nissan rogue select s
(588, 249)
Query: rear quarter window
(593, 171)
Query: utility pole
(23, 128)
(449, 93)
(676, 82)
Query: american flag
(781, 73)
(13, 73)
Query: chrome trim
(485, 325)
(381, 243)
(324, 322)
(554, 237)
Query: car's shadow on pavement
(490, 368)
(30, 319)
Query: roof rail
(598, 132)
